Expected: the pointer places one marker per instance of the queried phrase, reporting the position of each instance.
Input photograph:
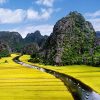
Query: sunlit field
(21, 83)
(87, 74)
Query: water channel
(79, 90)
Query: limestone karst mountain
(4, 49)
(17, 44)
(12, 39)
(35, 37)
(98, 38)
(71, 42)
(30, 48)
(33, 42)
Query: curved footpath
(79, 90)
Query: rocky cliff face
(30, 48)
(4, 50)
(72, 40)
(17, 44)
(13, 39)
(33, 42)
(98, 38)
(35, 37)
(98, 34)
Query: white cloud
(46, 13)
(93, 15)
(96, 23)
(19, 15)
(48, 3)
(45, 29)
(43, 14)
(3, 1)
(10, 16)
(94, 18)
(32, 14)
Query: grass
(22, 83)
(87, 74)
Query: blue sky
(27, 16)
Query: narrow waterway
(79, 90)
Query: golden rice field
(22, 83)
(87, 74)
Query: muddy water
(79, 90)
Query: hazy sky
(26, 16)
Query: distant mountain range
(31, 43)
(16, 43)
(35, 37)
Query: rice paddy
(21, 83)
(87, 74)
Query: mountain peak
(36, 34)
(72, 35)
(37, 31)
(75, 13)
(35, 37)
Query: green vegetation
(4, 50)
(87, 74)
(73, 41)
(36, 58)
(21, 83)
(12, 39)
(4, 53)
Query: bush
(4, 53)
(35, 60)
